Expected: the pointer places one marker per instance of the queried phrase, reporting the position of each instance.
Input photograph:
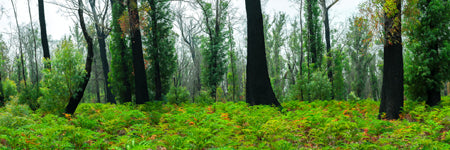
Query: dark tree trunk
(2, 97)
(259, 91)
(392, 88)
(434, 92)
(44, 39)
(76, 98)
(101, 36)
(326, 22)
(109, 96)
(313, 50)
(157, 76)
(125, 94)
(138, 58)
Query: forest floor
(300, 125)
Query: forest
(225, 74)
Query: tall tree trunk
(392, 88)
(35, 50)
(157, 76)
(120, 64)
(434, 92)
(259, 91)
(2, 97)
(76, 98)
(138, 58)
(101, 36)
(44, 39)
(326, 22)
(20, 44)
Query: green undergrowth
(300, 125)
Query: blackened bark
(434, 92)
(326, 23)
(140, 78)
(2, 97)
(76, 98)
(157, 76)
(313, 50)
(44, 39)
(392, 88)
(101, 36)
(259, 90)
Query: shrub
(178, 95)
(9, 89)
(61, 82)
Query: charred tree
(259, 90)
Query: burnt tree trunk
(434, 92)
(101, 36)
(392, 88)
(141, 88)
(44, 39)
(258, 90)
(157, 77)
(76, 98)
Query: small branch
(332, 4)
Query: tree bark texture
(157, 77)
(101, 36)
(258, 89)
(76, 98)
(392, 88)
(44, 39)
(140, 78)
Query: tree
(76, 98)
(258, 88)
(44, 39)
(141, 90)
(326, 23)
(120, 76)
(161, 49)
(392, 88)
(314, 35)
(20, 45)
(102, 34)
(428, 63)
(276, 42)
(2, 50)
(358, 40)
(190, 36)
(214, 46)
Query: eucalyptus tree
(258, 88)
(214, 19)
(43, 26)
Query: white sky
(58, 25)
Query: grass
(300, 125)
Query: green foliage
(9, 89)
(120, 76)
(159, 44)
(61, 82)
(275, 41)
(359, 39)
(214, 45)
(310, 87)
(204, 98)
(313, 39)
(178, 95)
(29, 95)
(427, 63)
(339, 85)
(300, 125)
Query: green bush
(9, 89)
(61, 82)
(178, 95)
(204, 98)
(301, 125)
(314, 87)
